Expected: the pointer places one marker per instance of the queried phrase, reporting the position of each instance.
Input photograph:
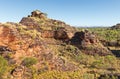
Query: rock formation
(38, 14)
(117, 26)
(89, 43)
(38, 36)
(48, 27)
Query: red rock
(47, 34)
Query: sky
(73, 12)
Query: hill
(42, 48)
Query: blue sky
(73, 12)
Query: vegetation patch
(29, 61)
(3, 66)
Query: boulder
(62, 33)
(38, 14)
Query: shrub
(3, 66)
(97, 64)
(29, 61)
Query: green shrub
(29, 61)
(97, 64)
(3, 66)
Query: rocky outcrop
(60, 34)
(88, 42)
(117, 26)
(55, 28)
(38, 20)
(4, 51)
(34, 20)
(84, 38)
(38, 14)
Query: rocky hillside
(38, 44)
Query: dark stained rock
(88, 43)
(84, 38)
(61, 34)
(3, 48)
(38, 14)
(117, 26)
(5, 51)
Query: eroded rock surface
(89, 43)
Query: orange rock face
(21, 46)
(47, 34)
(8, 37)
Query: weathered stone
(89, 43)
(63, 33)
(38, 14)
(18, 72)
(5, 51)
(47, 34)
(29, 22)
